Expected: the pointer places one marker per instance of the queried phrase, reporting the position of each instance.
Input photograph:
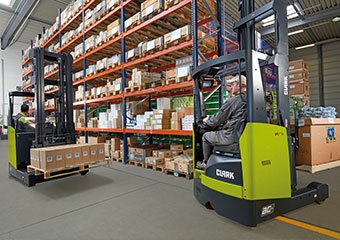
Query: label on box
(301, 122)
(149, 10)
(101, 151)
(306, 135)
(49, 159)
(93, 152)
(128, 22)
(175, 35)
(68, 156)
(85, 153)
(291, 86)
(114, 30)
(182, 71)
(59, 157)
(151, 45)
(76, 155)
(131, 53)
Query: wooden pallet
(151, 15)
(136, 163)
(100, 15)
(177, 42)
(154, 84)
(152, 51)
(155, 167)
(114, 35)
(179, 174)
(318, 168)
(133, 88)
(178, 80)
(118, 159)
(59, 172)
(170, 4)
(133, 25)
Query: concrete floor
(127, 202)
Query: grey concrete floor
(127, 202)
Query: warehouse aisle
(126, 202)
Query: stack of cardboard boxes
(149, 7)
(140, 77)
(178, 34)
(79, 119)
(299, 81)
(180, 160)
(182, 119)
(113, 29)
(66, 156)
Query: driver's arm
(222, 115)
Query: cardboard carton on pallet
(133, 21)
(113, 29)
(151, 7)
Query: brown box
(59, 157)
(176, 120)
(100, 152)
(115, 144)
(35, 157)
(170, 165)
(187, 111)
(293, 65)
(95, 140)
(149, 6)
(176, 152)
(184, 167)
(77, 155)
(297, 75)
(318, 143)
(176, 147)
(93, 153)
(115, 154)
(164, 153)
(47, 159)
(299, 88)
(85, 149)
(68, 156)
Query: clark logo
(225, 174)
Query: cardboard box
(299, 88)
(176, 147)
(68, 156)
(77, 155)
(318, 143)
(293, 65)
(47, 159)
(170, 165)
(86, 153)
(150, 6)
(297, 75)
(95, 140)
(59, 157)
(100, 152)
(35, 157)
(93, 153)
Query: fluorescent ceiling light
(295, 32)
(291, 13)
(336, 19)
(5, 2)
(305, 46)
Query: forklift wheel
(84, 172)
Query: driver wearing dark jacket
(225, 122)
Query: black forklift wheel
(84, 172)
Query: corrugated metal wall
(311, 57)
(331, 60)
(331, 53)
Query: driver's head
(233, 84)
(24, 108)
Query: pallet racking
(177, 15)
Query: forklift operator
(21, 122)
(223, 126)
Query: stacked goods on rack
(183, 69)
(79, 93)
(133, 21)
(113, 29)
(299, 88)
(177, 36)
(151, 7)
(182, 119)
(78, 75)
(180, 161)
(49, 103)
(151, 46)
(79, 118)
(112, 118)
(50, 68)
(66, 156)
(141, 78)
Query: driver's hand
(205, 119)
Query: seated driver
(224, 122)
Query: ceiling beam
(18, 18)
(42, 21)
(322, 15)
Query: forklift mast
(64, 131)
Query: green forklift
(45, 133)
(254, 179)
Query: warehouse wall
(10, 75)
(331, 61)
(331, 53)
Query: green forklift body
(12, 147)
